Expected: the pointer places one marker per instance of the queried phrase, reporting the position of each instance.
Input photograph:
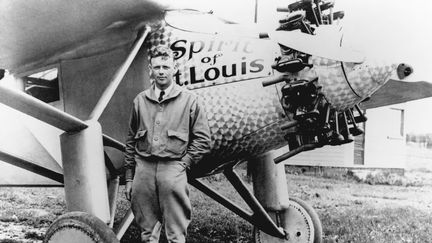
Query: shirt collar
(167, 90)
(174, 92)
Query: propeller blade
(316, 46)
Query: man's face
(162, 71)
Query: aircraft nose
(404, 70)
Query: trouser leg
(174, 199)
(144, 202)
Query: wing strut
(118, 77)
(40, 110)
(259, 217)
(31, 166)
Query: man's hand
(128, 190)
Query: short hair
(161, 51)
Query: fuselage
(246, 118)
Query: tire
(315, 219)
(301, 223)
(79, 227)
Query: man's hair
(161, 51)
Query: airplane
(262, 91)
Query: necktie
(162, 93)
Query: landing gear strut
(299, 220)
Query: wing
(36, 34)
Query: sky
(393, 30)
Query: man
(168, 133)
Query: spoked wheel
(79, 227)
(300, 220)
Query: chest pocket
(177, 142)
(141, 141)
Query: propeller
(325, 44)
(316, 45)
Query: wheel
(79, 227)
(300, 221)
(316, 222)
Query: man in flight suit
(168, 132)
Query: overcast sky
(392, 29)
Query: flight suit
(164, 139)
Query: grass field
(350, 211)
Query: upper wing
(394, 92)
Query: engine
(320, 96)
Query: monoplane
(262, 89)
